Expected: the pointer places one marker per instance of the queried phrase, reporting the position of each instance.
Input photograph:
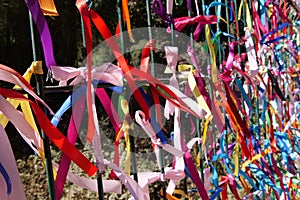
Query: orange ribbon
(48, 7)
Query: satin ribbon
(128, 72)
(36, 68)
(107, 72)
(78, 103)
(169, 5)
(43, 29)
(92, 125)
(172, 59)
(10, 181)
(251, 54)
(159, 9)
(126, 18)
(9, 75)
(216, 112)
(54, 135)
(141, 120)
(147, 178)
(145, 60)
(48, 7)
(65, 162)
(109, 186)
(6, 178)
(104, 31)
(182, 22)
(124, 131)
(201, 101)
(247, 11)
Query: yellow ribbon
(35, 68)
(48, 7)
(205, 131)
(199, 97)
(194, 88)
(214, 70)
(224, 20)
(256, 157)
(248, 15)
(125, 129)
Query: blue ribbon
(245, 96)
(74, 97)
(263, 113)
(280, 27)
(6, 177)
(159, 132)
(262, 178)
(216, 193)
(219, 4)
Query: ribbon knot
(107, 72)
(82, 73)
(36, 67)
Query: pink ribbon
(17, 119)
(145, 124)
(172, 58)
(8, 161)
(146, 178)
(181, 22)
(107, 72)
(169, 7)
(9, 75)
(251, 54)
(72, 137)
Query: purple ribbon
(42, 26)
(198, 31)
(159, 9)
(189, 5)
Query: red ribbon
(54, 134)
(83, 9)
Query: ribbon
(7, 179)
(182, 22)
(36, 68)
(65, 162)
(169, 7)
(141, 120)
(172, 58)
(124, 130)
(84, 12)
(11, 186)
(9, 75)
(54, 135)
(247, 11)
(48, 7)
(145, 60)
(159, 9)
(43, 29)
(126, 17)
(107, 72)
(78, 101)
